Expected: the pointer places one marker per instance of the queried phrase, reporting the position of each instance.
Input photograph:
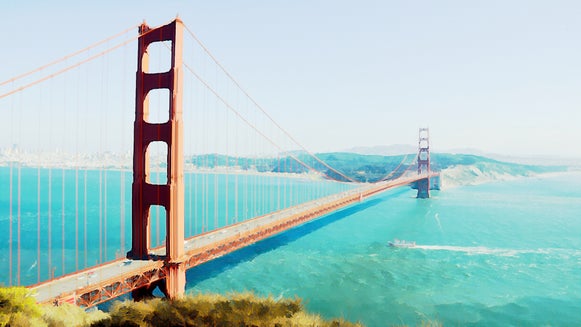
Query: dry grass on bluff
(18, 308)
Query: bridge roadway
(101, 283)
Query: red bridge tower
(169, 195)
(424, 163)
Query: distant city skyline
(498, 76)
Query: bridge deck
(104, 282)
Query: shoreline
(460, 175)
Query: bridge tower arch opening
(424, 163)
(170, 195)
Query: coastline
(466, 175)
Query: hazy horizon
(501, 77)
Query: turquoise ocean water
(497, 254)
(72, 219)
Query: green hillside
(365, 168)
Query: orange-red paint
(170, 195)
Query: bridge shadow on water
(214, 267)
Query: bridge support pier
(176, 280)
(423, 188)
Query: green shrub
(215, 310)
(69, 315)
(18, 308)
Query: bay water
(505, 253)
(55, 221)
(498, 254)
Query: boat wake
(476, 250)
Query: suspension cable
(394, 170)
(262, 110)
(247, 122)
(66, 69)
(68, 56)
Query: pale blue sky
(499, 76)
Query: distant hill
(467, 169)
(371, 168)
(459, 168)
(397, 149)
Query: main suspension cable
(52, 63)
(262, 110)
(66, 69)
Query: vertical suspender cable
(195, 191)
(292, 184)
(77, 123)
(215, 192)
(63, 224)
(85, 219)
(105, 216)
(254, 186)
(236, 176)
(206, 218)
(38, 193)
(190, 216)
(122, 152)
(291, 181)
(86, 137)
(19, 218)
(261, 177)
(63, 211)
(106, 81)
(278, 174)
(215, 169)
(38, 224)
(205, 158)
(10, 204)
(245, 191)
(204, 154)
(296, 185)
(76, 218)
(106, 148)
(10, 241)
(50, 223)
(285, 183)
(264, 183)
(102, 125)
(100, 215)
(122, 214)
(216, 155)
(205, 195)
(227, 186)
(204, 189)
(254, 199)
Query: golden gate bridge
(212, 170)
